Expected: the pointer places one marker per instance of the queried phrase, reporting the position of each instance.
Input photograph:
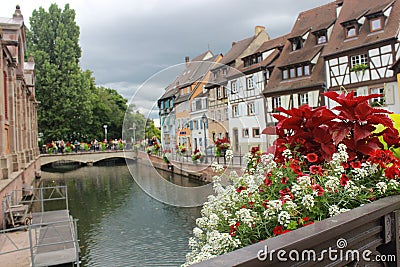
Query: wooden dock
(56, 239)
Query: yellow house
(191, 84)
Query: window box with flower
(324, 164)
(221, 145)
(182, 149)
(197, 155)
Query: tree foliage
(72, 106)
(61, 86)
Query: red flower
(240, 189)
(344, 179)
(345, 165)
(265, 203)
(233, 229)
(312, 157)
(320, 191)
(286, 192)
(254, 150)
(267, 182)
(355, 164)
(392, 171)
(304, 221)
(279, 230)
(315, 169)
(284, 180)
(295, 167)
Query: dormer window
(251, 60)
(297, 43)
(322, 37)
(376, 24)
(296, 71)
(351, 31)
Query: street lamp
(134, 133)
(204, 120)
(105, 131)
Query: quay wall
(200, 171)
(25, 177)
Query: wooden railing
(364, 236)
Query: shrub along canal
(119, 224)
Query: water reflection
(119, 224)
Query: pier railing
(44, 239)
(53, 235)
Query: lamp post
(105, 131)
(134, 133)
(204, 120)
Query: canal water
(119, 224)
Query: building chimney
(259, 29)
(187, 60)
(17, 14)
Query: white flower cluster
(284, 218)
(335, 210)
(382, 187)
(367, 169)
(338, 158)
(287, 154)
(246, 216)
(218, 168)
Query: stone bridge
(86, 157)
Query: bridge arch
(86, 157)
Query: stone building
(19, 152)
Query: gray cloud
(126, 42)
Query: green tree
(109, 108)
(152, 130)
(62, 88)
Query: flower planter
(360, 237)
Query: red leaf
(360, 132)
(339, 132)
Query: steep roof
(307, 23)
(353, 10)
(195, 71)
(236, 50)
(275, 44)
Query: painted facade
(232, 103)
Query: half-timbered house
(364, 47)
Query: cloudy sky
(138, 46)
